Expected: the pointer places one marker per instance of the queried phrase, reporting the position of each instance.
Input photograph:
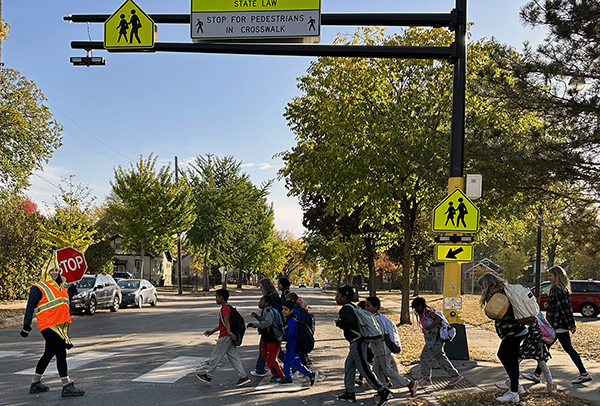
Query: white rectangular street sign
(255, 24)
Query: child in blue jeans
(292, 352)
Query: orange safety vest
(53, 309)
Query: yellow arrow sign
(453, 253)
(129, 28)
(455, 213)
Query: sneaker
(69, 390)
(258, 373)
(582, 379)
(243, 381)
(358, 382)
(204, 378)
(347, 397)
(384, 396)
(455, 380)
(503, 385)
(274, 379)
(295, 374)
(37, 387)
(509, 397)
(412, 387)
(531, 377)
(312, 378)
(285, 381)
(424, 382)
(506, 386)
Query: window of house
(118, 246)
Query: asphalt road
(150, 356)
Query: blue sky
(183, 105)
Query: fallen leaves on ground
(531, 398)
(586, 340)
(5, 313)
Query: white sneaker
(257, 374)
(506, 386)
(509, 397)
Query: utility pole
(179, 276)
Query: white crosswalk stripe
(11, 353)
(173, 370)
(73, 362)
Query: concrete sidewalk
(483, 376)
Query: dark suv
(585, 297)
(95, 292)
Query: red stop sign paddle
(72, 264)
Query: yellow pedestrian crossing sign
(455, 213)
(453, 253)
(129, 28)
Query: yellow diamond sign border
(455, 215)
(453, 253)
(135, 33)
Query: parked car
(121, 275)
(302, 285)
(94, 292)
(585, 297)
(136, 292)
(317, 285)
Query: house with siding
(158, 267)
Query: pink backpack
(548, 333)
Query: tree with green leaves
(100, 257)
(227, 204)
(29, 134)
(151, 207)
(22, 251)
(378, 128)
(71, 225)
(253, 243)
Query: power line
(94, 148)
(93, 136)
(46, 180)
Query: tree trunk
(142, 253)
(240, 276)
(205, 281)
(224, 279)
(370, 245)
(552, 254)
(416, 276)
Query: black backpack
(307, 318)
(305, 339)
(238, 325)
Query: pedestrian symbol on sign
(455, 213)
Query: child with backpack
(534, 347)
(270, 327)
(357, 355)
(292, 352)
(305, 317)
(434, 346)
(225, 343)
(559, 314)
(383, 359)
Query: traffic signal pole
(458, 348)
